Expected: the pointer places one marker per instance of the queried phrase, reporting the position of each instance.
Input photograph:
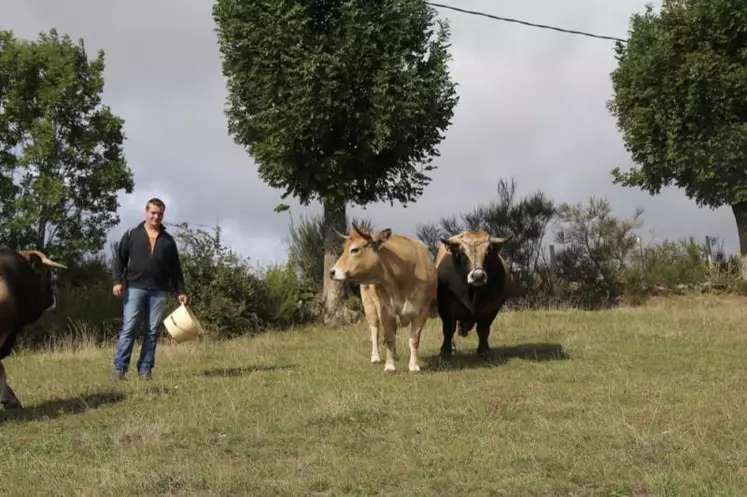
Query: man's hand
(118, 290)
(183, 299)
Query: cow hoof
(414, 368)
(375, 360)
(389, 368)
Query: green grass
(648, 401)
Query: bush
(290, 299)
(86, 310)
(229, 297)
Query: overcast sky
(532, 106)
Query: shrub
(231, 298)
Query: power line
(526, 23)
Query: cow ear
(36, 261)
(452, 246)
(382, 236)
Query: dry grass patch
(625, 402)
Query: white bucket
(182, 324)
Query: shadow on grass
(468, 359)
(241, 371)
(52, 409)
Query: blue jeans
(139, 304)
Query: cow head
(469, 251)
(359, 262)
(41, 265)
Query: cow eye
(355, 250)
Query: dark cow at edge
(473, 284)
(25, 294)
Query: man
(146, 266)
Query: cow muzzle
(336, 274)
(477, 277)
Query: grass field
(646, 402)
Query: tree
(61, 158)
(680, 99)
(340, 101)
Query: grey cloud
(532, 107)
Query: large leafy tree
(680, 99)
(340, 101)
(61, 159)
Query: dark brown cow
(473, 284)
(25, 294)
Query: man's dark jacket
(136, 268)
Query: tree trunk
(334, 219)
(740, 215)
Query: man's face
(153, 215)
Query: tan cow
(398, 282)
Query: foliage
(680, 93)
(596, 248)
(86, 310)
(61, 158)
(289, 298)
(337, 100)
(225, 293)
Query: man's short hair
(157, 202)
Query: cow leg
(483, 332)
(375, 357)
(4, 336)
(448, 325)
(372, 318)
(416, 328)
(7, 397)
(389, 323)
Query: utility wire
(526, 23)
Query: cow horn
(496, 240)
(344, 237)
(49, 262)
(45, 260)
